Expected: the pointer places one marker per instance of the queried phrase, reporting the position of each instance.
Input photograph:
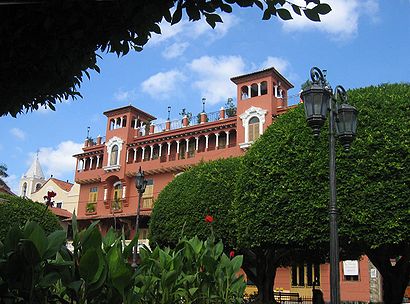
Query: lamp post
(140, 184)
(318, 99)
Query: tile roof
(66, 186)
(61, 212)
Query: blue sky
(360, 43)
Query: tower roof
(35, 170)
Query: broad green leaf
(91, 265)
(284, 14)
(323, 8)
(55, 240)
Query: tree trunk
(260, 266)
(395, 278)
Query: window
(38, 186)
(254, 90)
(60, 205)
(244, 93)
(304, 275)
(148, 196)
(253, 129)
(117, 195)
(24, 190)
(114, 155)
(264, 88)
(92, 197)
(351, 270)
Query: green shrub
(206, 189)
(39, 269)
(15, 210)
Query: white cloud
(162, 84)
(341, 23)
(123, 96)
(185, 30)
(58, 161)
(18, 133)
(213, 75)
(175, 50)
(278, 63)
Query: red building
(107, 168)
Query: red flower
(231, 254)
(51, 194)
(209, 219)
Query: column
(83, 164)
(105, 194)
(124, 188)
(151, 151)
(121, 122)
(91, 162)
(259, 89)
(160, 150)
(135, 155)
(78, 164)
(128, 154)
(98, 162)
(206, 142)
(169, 149)
(276, 90)
(178, 147)
(143, 153)
(187, 144)
(227, 138)
(196, 143)
(249, 91)
(217, 141)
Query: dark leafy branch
(49, 46)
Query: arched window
(264, 88)
(254, 90)
(244, 93)
(112, 124)
(124, 121)
(114, 155)
(253, 129)
(24, 190)
(38, 186)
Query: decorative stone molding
(246, 117)
(114, 141)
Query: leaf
(296, 9)
(49, 279)
(284, 14)
(177, 16)
(36, 234)
(311, 15)
(91, 266)
(266, 15)
(55, 240)
(323, 8)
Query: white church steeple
(32, 180)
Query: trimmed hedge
(17, 211)
(283, 189)
(206, 189)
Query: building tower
(32, 180)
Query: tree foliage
(283, 196)
(47, 47)
(15, 210)
(181, 207)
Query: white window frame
(246, 117)
(114, 141)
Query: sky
(360, 43)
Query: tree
(206, 189)
(3, 173)
(15, 210)
(286, 173)
(47, 47)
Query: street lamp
(319, 99)
(140, 184)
